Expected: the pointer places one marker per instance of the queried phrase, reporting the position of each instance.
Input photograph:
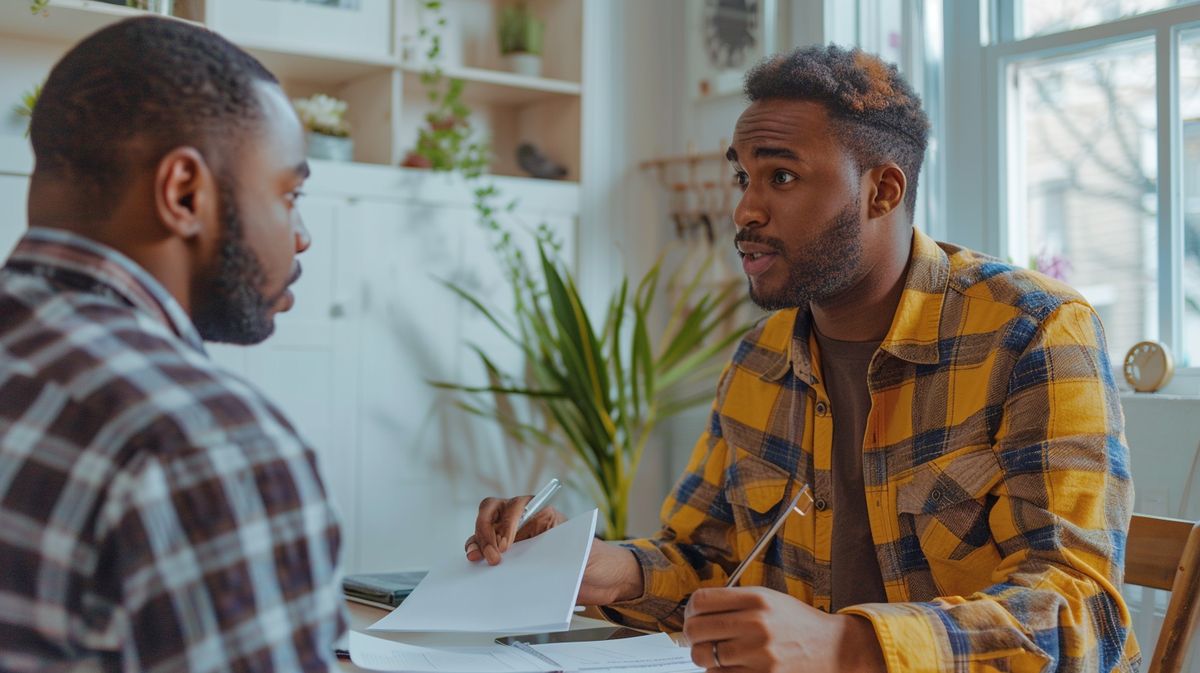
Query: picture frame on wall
(724, 39)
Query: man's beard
(827, 268)
(230, 304)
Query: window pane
(1189, 102)
(1084, 208)
(1038, 17)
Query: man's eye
(294, 195)
(782, 177)
(741, 179)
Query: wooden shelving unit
(387, 101)
(494, 87)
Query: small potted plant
(520, 35)
(324, 117)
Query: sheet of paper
(644, 653)
(377, 654)
(533, 589)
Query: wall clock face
(730, 32)
(1148, 366)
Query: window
(1038, 17)
(1099, 157)
(909, 35)
(1084, 207)
(1189, 105)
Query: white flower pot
(522, 63)
(333, 148)
(156, 6)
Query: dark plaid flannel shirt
(156, 513)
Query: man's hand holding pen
(759, 629)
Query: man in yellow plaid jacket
(955, 417)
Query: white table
(362, 616)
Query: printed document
(532, 590)
(651, 654)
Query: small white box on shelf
(343, 28)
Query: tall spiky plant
(602, 386)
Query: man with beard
(955, 417)
(157, 513)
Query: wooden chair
(1165, 554)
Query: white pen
(538, 502)
(793, 506)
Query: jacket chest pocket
(945, 504)
(755, 487)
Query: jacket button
(820, 504)
(822, 408)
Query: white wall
(632, 86)
(651, 113)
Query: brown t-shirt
(854, 566)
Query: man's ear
(185, 192)
(888, 185)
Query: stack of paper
(625, 655)
(533, 589)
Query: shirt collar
(912, 336)
(48, 251)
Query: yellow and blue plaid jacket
(996, 473)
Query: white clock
(1148, 366)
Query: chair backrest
(1165, 554)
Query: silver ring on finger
(716, 657)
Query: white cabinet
(409, 336)
(352, 363)
(308, 366)
(13, 191)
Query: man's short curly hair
(878, 116)
(135, 90)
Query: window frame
(1000, 55)
(922, 64)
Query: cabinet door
(409, 337)
(14, 190)
(305, 368)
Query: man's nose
(749, 211)
(303, 238)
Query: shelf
(319, 68)
(64, 20)
(497, 87)
(72, 20)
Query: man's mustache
(748, 236)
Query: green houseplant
(520, 35)
(599, 387)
